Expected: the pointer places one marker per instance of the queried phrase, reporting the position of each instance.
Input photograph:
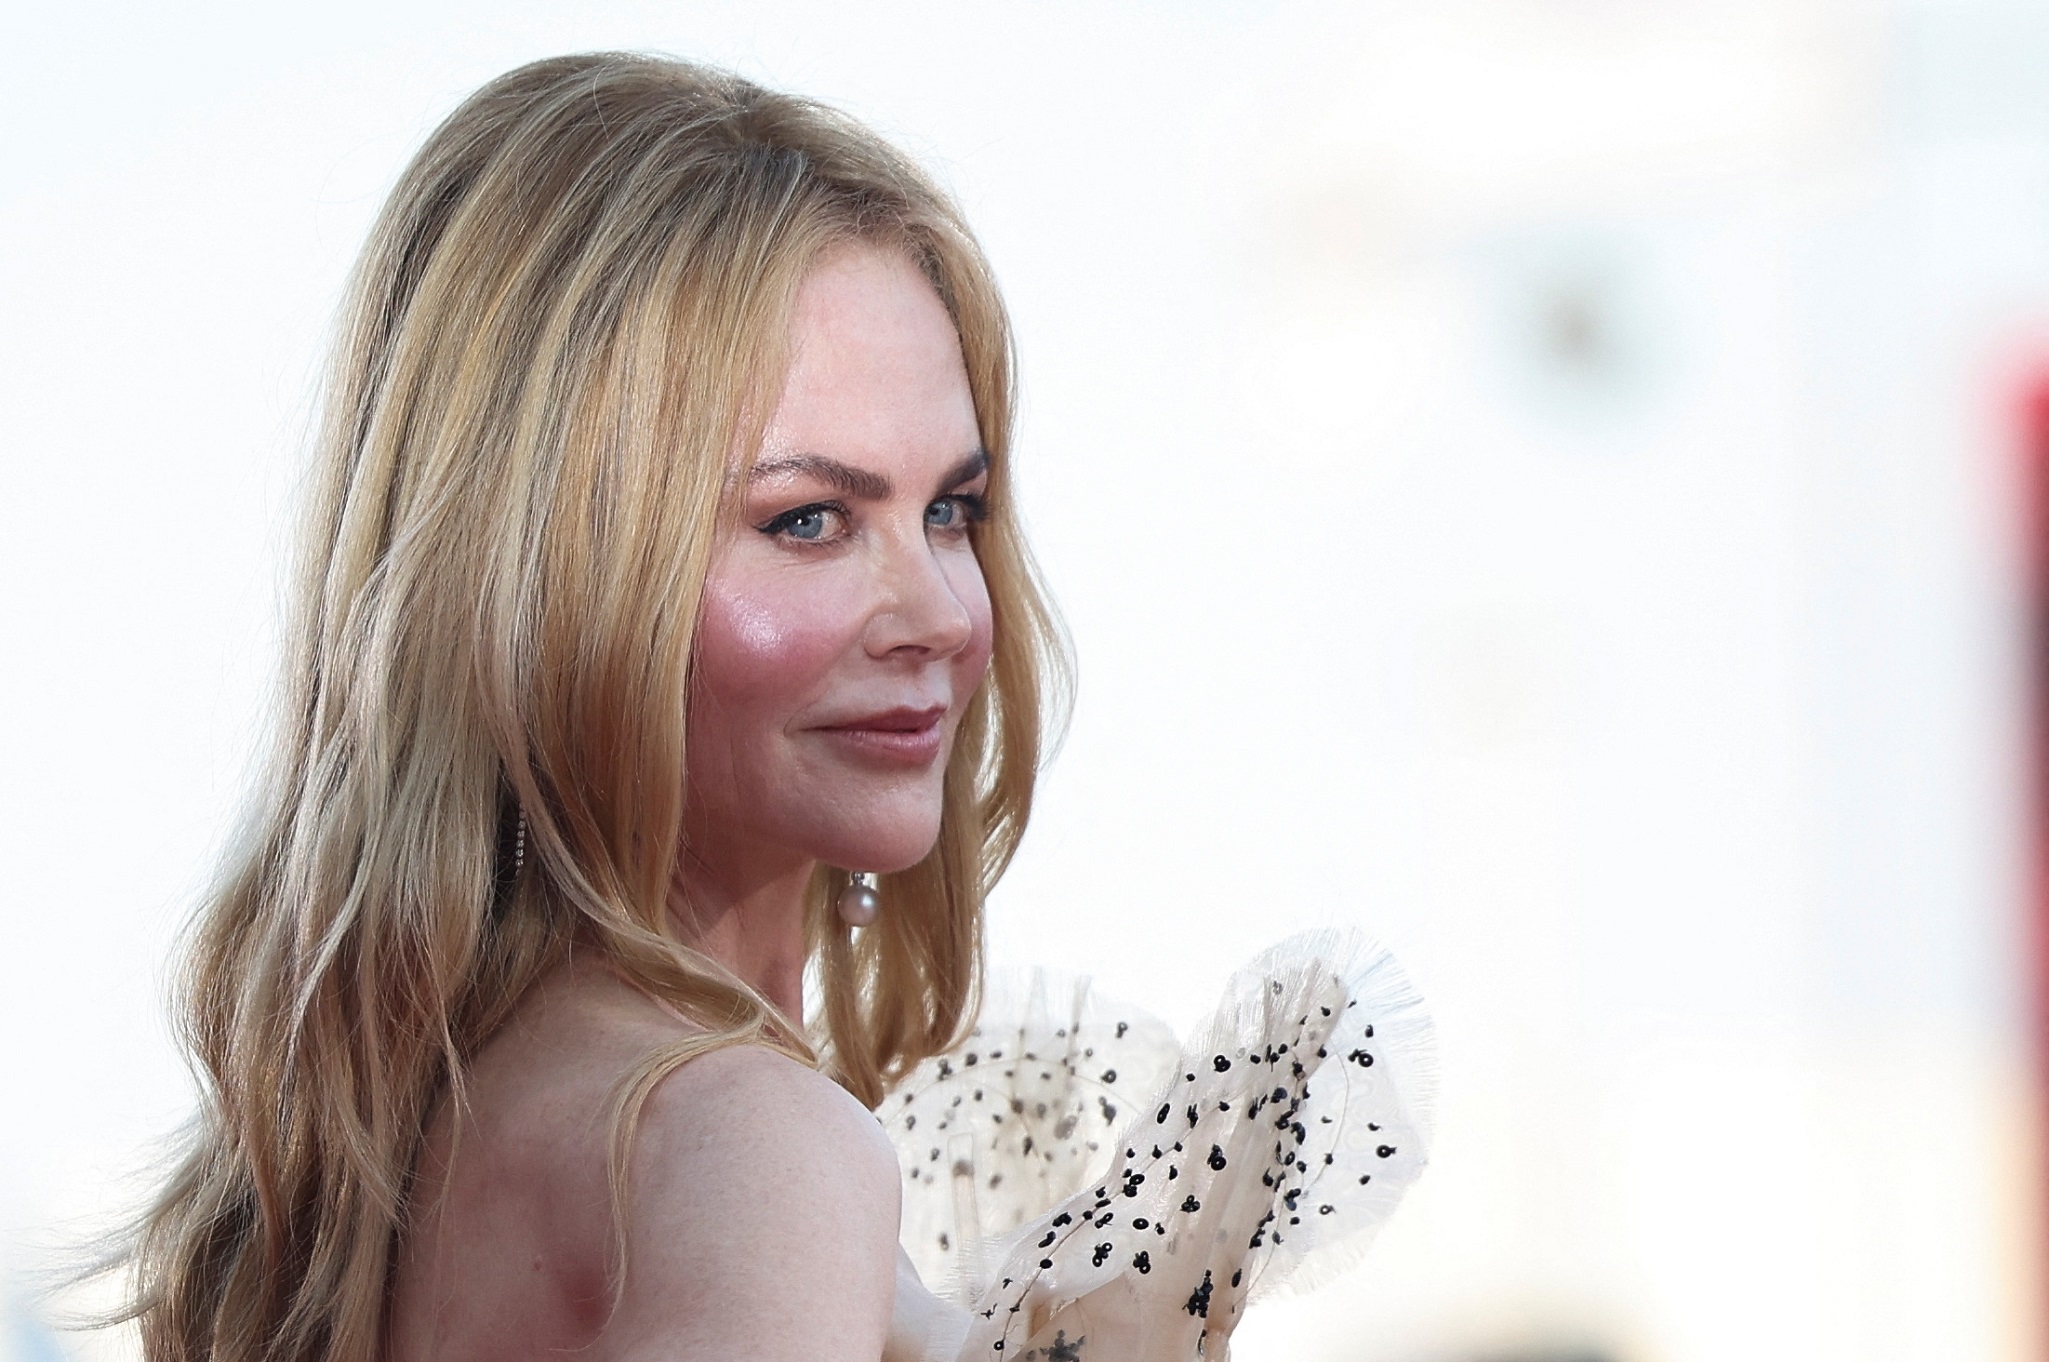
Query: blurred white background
(1531, 477)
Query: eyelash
(973, 505)
(974, 508)
(782, 524)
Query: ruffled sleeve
(1085, 1188)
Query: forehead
(875, 368)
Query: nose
(919, 612)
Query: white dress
(1081, 1187)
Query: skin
(845, 628)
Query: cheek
(763, 650)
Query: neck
(747, 913)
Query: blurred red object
(2034, 433)
(2033, 411)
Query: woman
(663, 405)
(664, 590)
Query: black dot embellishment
(1217, 1159)
(1143, 1262)
(1191, 1205)
(1102, 1254)
(1047, 1242)
(1198, 1302)
(1385, 1151)
(1223, 1065)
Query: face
(845, 623)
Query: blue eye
(956, 512)
(806, 524)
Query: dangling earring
(519, 846)
(859, 903)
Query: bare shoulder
(741, 1109)
(762, 1208)
(750, 1102)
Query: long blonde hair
(573, 308)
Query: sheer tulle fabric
(1080, 1185)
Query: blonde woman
(665, 633)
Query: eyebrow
(859, 482)
(968, 469)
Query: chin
(887, 856)
(883, 845)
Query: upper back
(760, 1208)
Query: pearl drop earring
(859, 903)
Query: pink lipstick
(895, 737)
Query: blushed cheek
(758, 659)
(755, 647)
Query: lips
(902, 736)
